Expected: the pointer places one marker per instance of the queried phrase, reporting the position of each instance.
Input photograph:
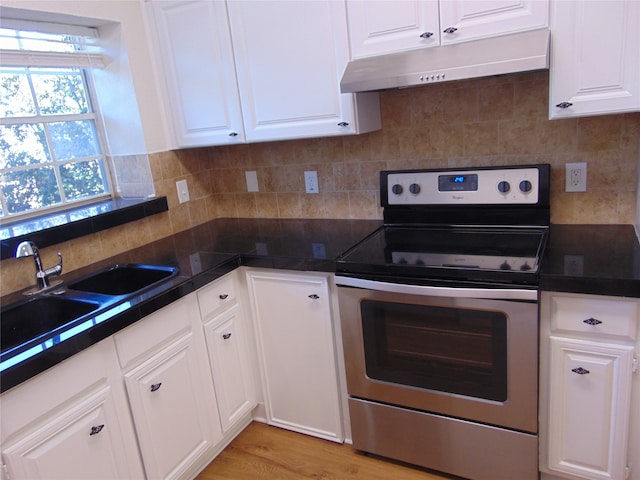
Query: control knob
(414, 188)
(504, 187)
(525, 186)
(397, 189)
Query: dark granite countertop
(203, 254)
(593, 259)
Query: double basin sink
(47, 316)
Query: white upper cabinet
(378, 27)
(290, 56)
(595, 64)
(385, 26)
(258, 71)
(197, 58)
(462, 20)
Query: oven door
(466, 353)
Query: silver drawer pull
(580, 371)
(313, 296)
(226, 336)
(96, 430)
(224, 296)
(156, 386)
(592, 321)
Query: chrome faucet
(29, 249)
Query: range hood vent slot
(519, 52)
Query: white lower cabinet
(170, 390)
(230, 350)
(588, 416)
(297, 356)
(587, 363)
(71, 422)
(84, 431)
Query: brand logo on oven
(457, 197)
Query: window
(50, 147)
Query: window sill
(76, 222)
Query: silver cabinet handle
(226, 336)
(450, 30)
(580, 371)
(155, 387)
(224, 296)
(96, 429)
(592, 321)
(426, 35)
(313, 296)
(564, 104)
(343, 124)
(233, 134)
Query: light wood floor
(265, 452)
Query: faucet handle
(55, 270)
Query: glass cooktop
(473, 253)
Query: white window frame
(86, 61)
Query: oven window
(447, 349)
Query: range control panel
(499, 186)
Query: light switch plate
(183, 191)
(252, 181)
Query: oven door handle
(426, 290)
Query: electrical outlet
(576, 177)
(311, 181)
(183, 191)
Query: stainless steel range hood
(519, 52)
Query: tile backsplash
(492, 121)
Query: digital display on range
(458, 183)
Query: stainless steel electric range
(439, 312)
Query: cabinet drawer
(594, 316)
(152, 333)
(219, 294)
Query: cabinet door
(595, 65)
(231, 366)
(462, 20)
(81, 442)
(590, 392)
(296, 346)
(172, 409)
(197, 58)
(384, 26)
(290, 56)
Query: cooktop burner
(474, 225)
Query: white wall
(134, 116)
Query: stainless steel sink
(123, 279)
(29, 320)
